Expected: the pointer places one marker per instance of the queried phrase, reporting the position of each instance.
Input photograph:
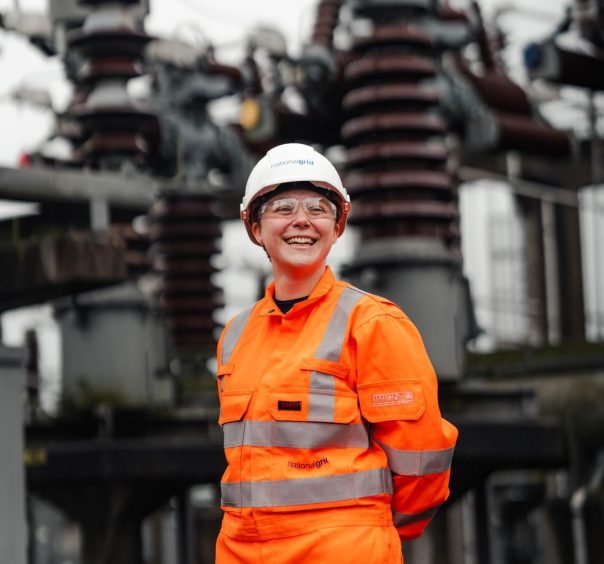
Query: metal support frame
(69, 187)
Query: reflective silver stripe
(322, 399)
(333, 338)
(418, 462)
(233, 334)
(307, 490)
(320, 381)
(322, 405)
(295, 434)
(402, 519)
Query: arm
(398, 394)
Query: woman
(335, 445)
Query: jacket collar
(268, 306)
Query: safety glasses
(314, 208)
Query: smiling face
(298, 245)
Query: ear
(257, 232)
(336, 233)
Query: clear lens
(315, 208)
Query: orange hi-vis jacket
(330, 417)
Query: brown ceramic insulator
(108, 42)
(448, 13)
(412, 183)
(328, 6)
(177, 266)
(323, 34)
(125, 143)
(136, 255)
(136, 246)
(499, 92)
(119, 117)
(115, 127)
(183, 228)
(326, 20)
(396, 161)
(407, 219)
(175, 285)
(403, 36)
(69, 128)
(137, 262)
(184, 248)
(160, 230)
(389, 68)
(234, 73)
(399, 154)
(388, 97)
(180, 208)
(377, 229)
(404, 210)
(392, 125)
(580, 69)
(109, 68)
(389, 10)
(524, 133)
(518, 127)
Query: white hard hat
(293, 162)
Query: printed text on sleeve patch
(387, 399)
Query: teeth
(300, 240)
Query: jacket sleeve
(397, 391)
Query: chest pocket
(223, 373)
(325, 400)
(233, 403)
(233, 406)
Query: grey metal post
(12, 480)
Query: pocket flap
(289, 404)
(299, 404)
(233, 406)
(392, 401)
(325, 366)
(226, 369)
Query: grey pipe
(577, 505)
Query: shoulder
(238, 321)
(379, 322)
(233, 331)
(369, 305)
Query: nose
(300, 216)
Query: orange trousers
(328, 545)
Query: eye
(319, 207)
(284, 207)
(315, 208)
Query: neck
(290, 285)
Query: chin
(308, 264)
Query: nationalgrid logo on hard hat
(293, 161)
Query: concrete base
(114, 350)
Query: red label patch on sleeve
(392, 398)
